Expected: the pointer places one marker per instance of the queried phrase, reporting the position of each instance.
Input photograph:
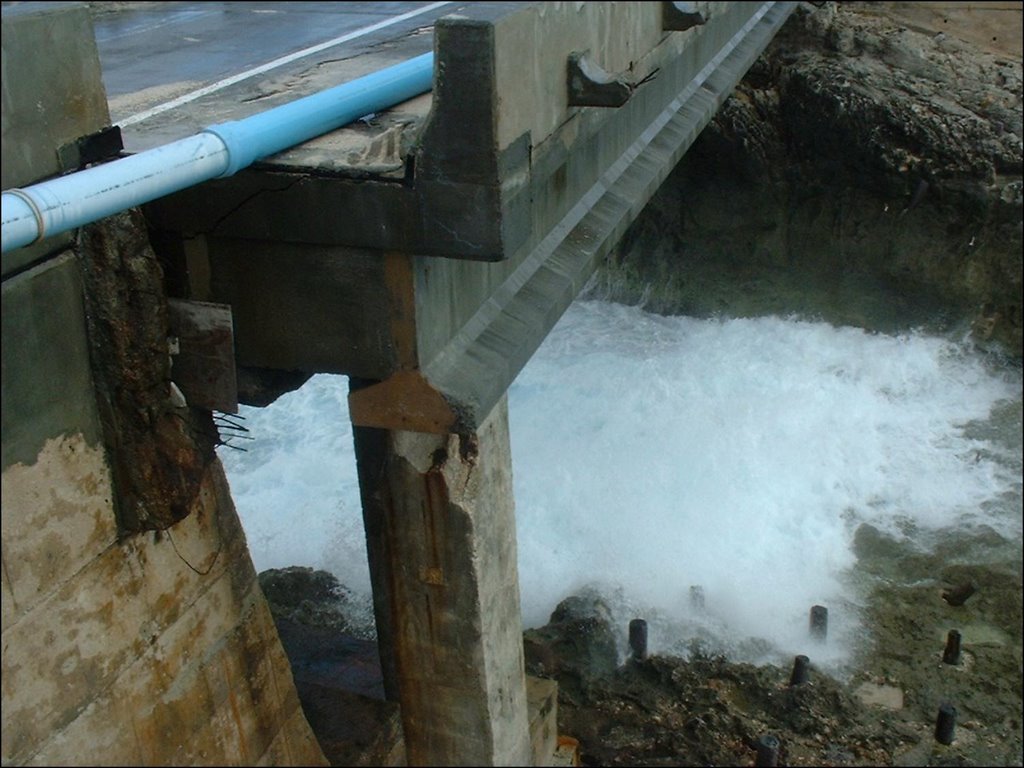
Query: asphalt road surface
(173, 68)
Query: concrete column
(440, 528)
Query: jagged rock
(959, 594)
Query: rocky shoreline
(704, 709)
(866, 172)
(707, 710)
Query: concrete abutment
(122, 644)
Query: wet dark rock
(704, 710)
(337, 674)
(262, 386)
(959, 594)
(305, 596)
(708, 710)
(576, 647)
(870, 543)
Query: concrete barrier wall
(152, 648)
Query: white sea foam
(654, 453)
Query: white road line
(138, 117)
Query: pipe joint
(37, 214)
(233, 135)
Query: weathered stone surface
(863, 172)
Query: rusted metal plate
(204, 367)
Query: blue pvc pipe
(277, 129)
(71, 201)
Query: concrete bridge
(425, 254)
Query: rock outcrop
(863, 172)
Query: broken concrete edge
(591, 86)
(680, 17)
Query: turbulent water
(655, 454)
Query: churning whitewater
(654, 454)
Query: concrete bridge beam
(509, 197)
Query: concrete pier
(440, 529)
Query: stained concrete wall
(153, 648)
(157, 650)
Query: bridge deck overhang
(433, 279)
